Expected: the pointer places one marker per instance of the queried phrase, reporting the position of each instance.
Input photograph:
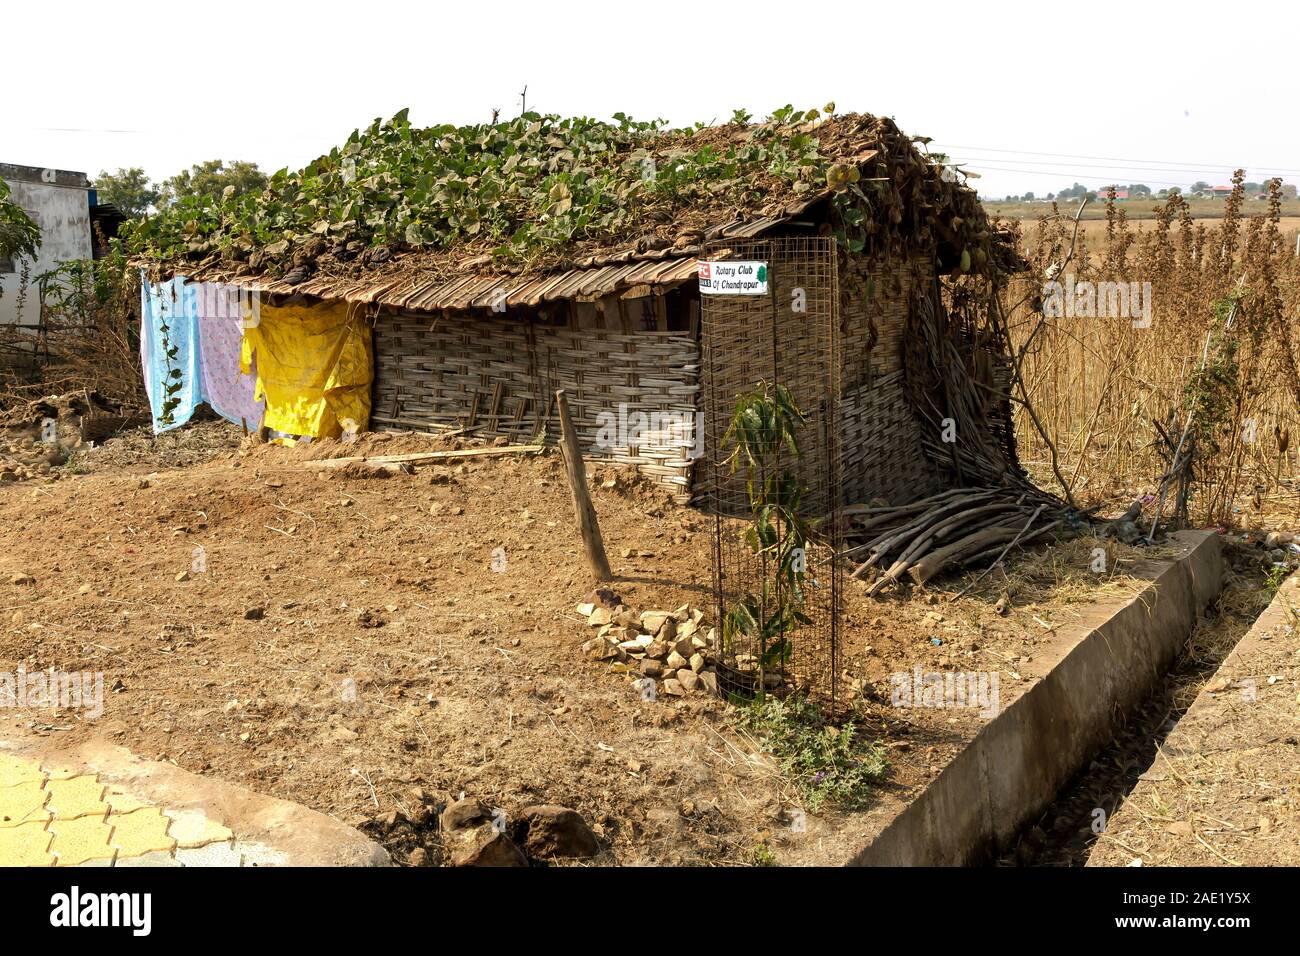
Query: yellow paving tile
(80, 840)
(192, 829)
(14, 770)
(25, 845)
(122, 802)
(23, 803)
(73, 797)
(140, 832)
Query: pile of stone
(476, 835)
(28, 458)
(39, 436)
(1283, 547)
(670, 649)
(469, 832)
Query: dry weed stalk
(87, 337)
(1107, 388)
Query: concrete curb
(1090, 676)
(274, 831)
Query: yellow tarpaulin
(314, 367)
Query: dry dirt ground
(345, 640)
(1222, 789)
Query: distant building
(1287, 190)
(60, 203)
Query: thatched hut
(499, 263)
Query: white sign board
(733, 278)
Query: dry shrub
(87, 338)
(1223, 301)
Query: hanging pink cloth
(226, 389)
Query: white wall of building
(59, 202)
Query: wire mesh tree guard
(772, 464)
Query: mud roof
(455, 217)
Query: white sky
(1167, 94)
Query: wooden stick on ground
(583, 509)
(934, 562)
(1032, 518)
(422, 457)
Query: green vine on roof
(519, 189)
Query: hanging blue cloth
(169, 351)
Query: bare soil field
(1140, 215)
(1135, 209)
(345, 642)
(1220, 785)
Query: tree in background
(19, 234)
(127, 189)
(213, 178)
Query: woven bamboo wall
(881, 450)
(499, 376)
(883, 458)
(874, 323)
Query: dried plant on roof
(541, 191)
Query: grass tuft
(830, 766)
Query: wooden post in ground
(584, 511)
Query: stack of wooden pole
(956, 528)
